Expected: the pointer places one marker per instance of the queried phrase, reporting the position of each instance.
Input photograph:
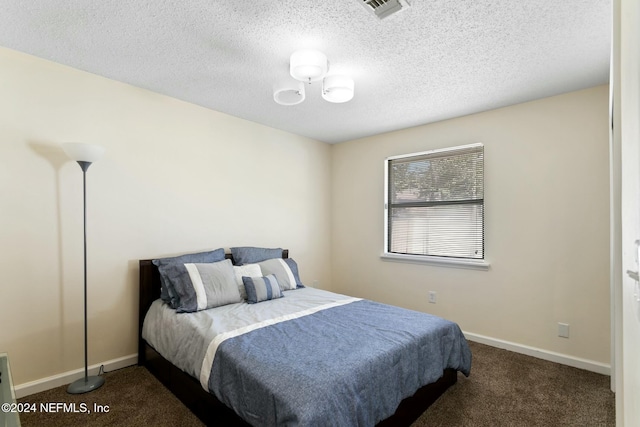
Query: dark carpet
(504, 389)
(512, 390)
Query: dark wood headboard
(150, 291)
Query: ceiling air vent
(384, 8)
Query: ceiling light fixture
(307, 66)
(337, 89)
(288, 92)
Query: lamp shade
(337, 88)
(82, 152)
(288, 92)
(308, 65)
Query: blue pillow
(261, 288)
(167, 293)
(251, 255)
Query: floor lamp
(85, 155)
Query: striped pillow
(202, 286)
(279, 268)
(261, 288)
(167, 293)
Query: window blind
(435, 203)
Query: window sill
(442, 262)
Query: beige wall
(175, 178)
(547, 225)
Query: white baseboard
(576, 362)
(65, 378)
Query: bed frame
(213, 412)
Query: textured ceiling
(435, 60)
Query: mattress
(310, 358)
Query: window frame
(468, 263)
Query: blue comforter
(349, 365)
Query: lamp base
(85, 385)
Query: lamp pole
(85, 166)
(84, 154)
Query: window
(434, 204)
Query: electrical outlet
(563, 330)
(432, 297)
(315, 283)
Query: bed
(349, 402)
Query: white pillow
(249, 270)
